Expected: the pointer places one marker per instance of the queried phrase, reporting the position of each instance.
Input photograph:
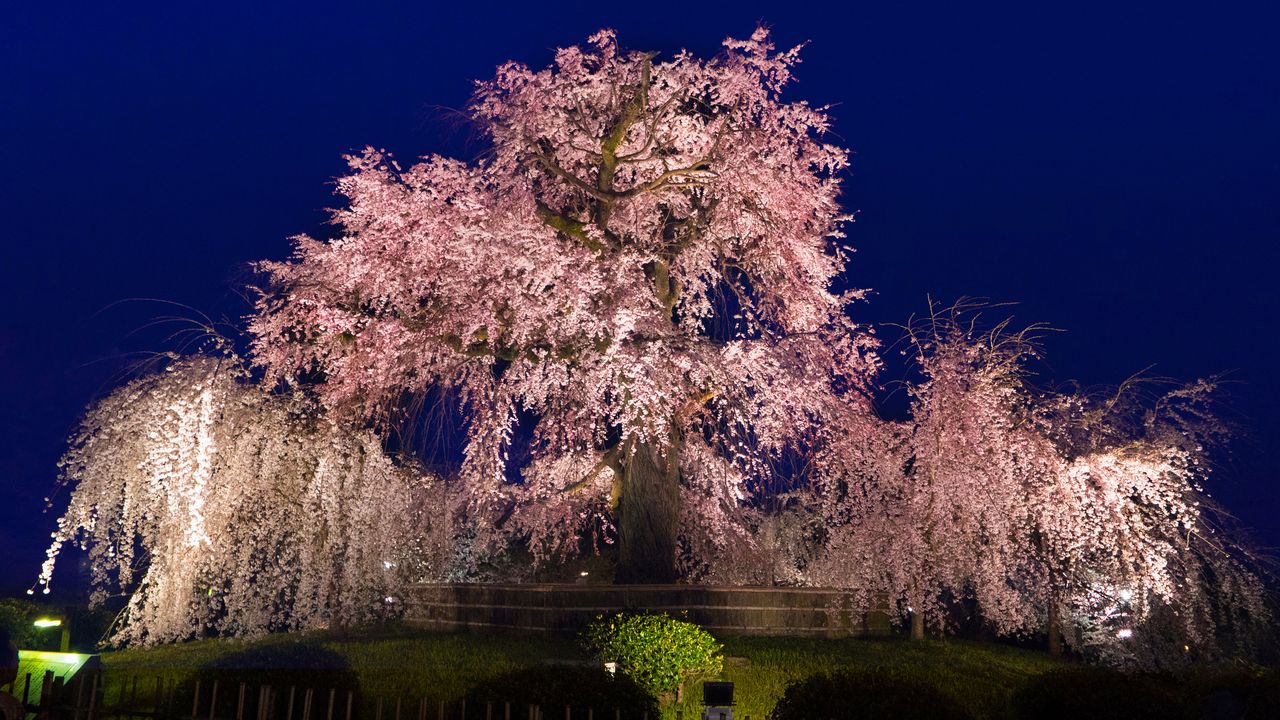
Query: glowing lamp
(48, 622)
(1124, 634)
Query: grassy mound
(434, 667)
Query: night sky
(1114, 168)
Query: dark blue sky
(1114, 167)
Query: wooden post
(329, 714)
(351, 698)
(306, 704)
(213, 699)
(93, 694)
(46, 692)
(288, 712)
(79, 697)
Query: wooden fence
(90, 696)
(562, 608)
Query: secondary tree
(217, 507)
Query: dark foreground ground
(978, 680)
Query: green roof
(37, 663)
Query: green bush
(657, 651)
(859, 695)
(16, 617)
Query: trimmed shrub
(1099, 695)
(860, 695)
(555, 686)
(657, 651)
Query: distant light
(584, 573)
(1124, 634)
(1126, 595)
(48, 622)
(1186, 648)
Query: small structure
(717, 701)
(42, 677)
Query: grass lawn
(981, 676)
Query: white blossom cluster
(221, 509)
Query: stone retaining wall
(555, 608)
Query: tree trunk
(1055, 631)
(917, 624)
(649, 515)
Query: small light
(584, 573)
(1126, 595)
(1124, 634)
(1186, 648)
(48, 622)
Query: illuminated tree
(1046, 509)
(220, 509)
(630, 297)
(641, 267)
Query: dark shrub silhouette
(555, 686)
(859, 695)
(1239, 695)
(285, 665)
(1099, 695)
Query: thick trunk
(917, 625)
(649, 515)
(1055, 631)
